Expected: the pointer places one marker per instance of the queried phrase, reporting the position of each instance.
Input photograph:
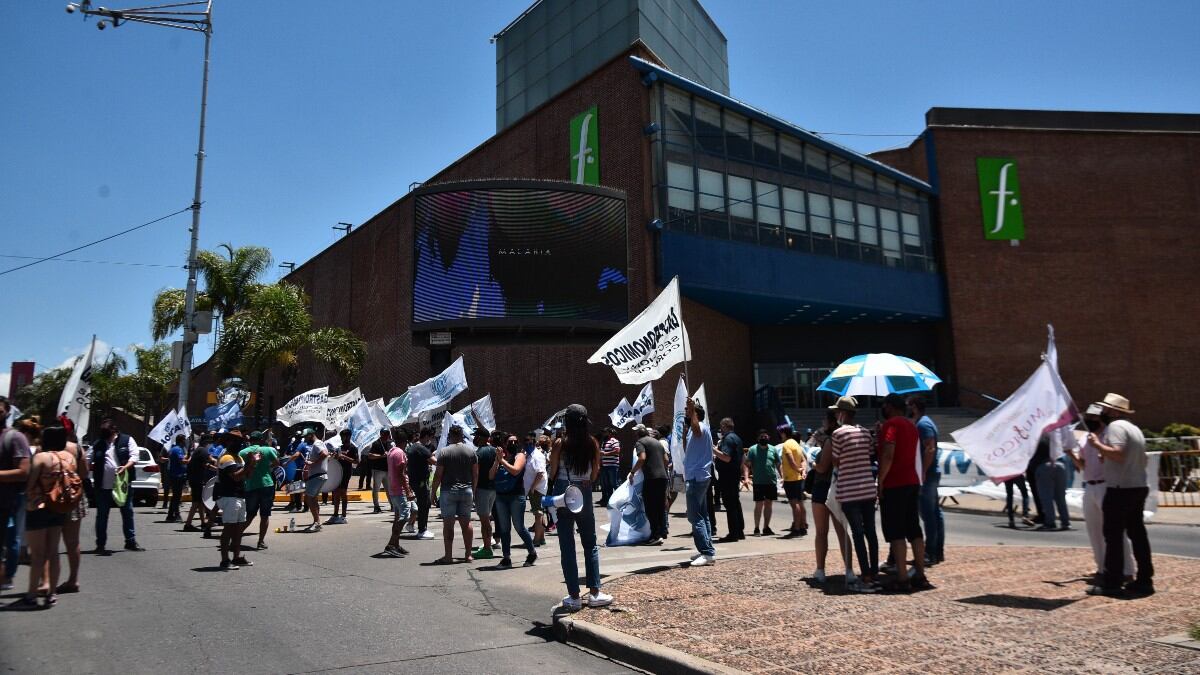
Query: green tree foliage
(230, 280)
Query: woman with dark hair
(43, 526)
(508, 475)
(70, 531)
(575, 460)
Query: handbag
(120, 491)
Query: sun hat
(1116, 402)
(845, 403)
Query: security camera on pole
(197, 17)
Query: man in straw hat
(1123, 449)
(1087, 461)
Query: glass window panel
(817, 161)
(885, 185)
(843, 209)
(889, 220)
(712, 191)
(678, 119)
(737, 137)
(792, 154)
(891, 244)
(764, 144)
(679, 176)
(912, 231)
(793, 220)
(820, 225)
(741, 198)
(818, 205)
(709, 135)
(868, 235)
(767, 195)
(840, 168)
(866, 214)
(868, 232)
(681, 199)
(793, 199)
(908, 192)
(864, 178)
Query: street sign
(440, 338)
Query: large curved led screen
(520, 254)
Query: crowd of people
(497, 476)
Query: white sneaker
(819, 576)
(600, 599)
(695, 556)
(573, 604)
(704, 560)
(425, 535)
(410, 528)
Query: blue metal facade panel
(762, 285)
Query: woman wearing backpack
(70, 531)
(48, 502)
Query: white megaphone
(572, 499)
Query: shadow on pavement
(1019, 601)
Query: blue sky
(316, 118)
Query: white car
(146, 480)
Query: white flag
(307, 407)
(701, 400)
(379, 414)
(622, 414)
(644, 405)
(555, 421)
(479, 413)
(185, 423)
(161, 431)
(338, 409)
(76, 399)
(1002, 442)
(676, 442)
(454, 420)
(364, 427)
(431, 393)
(1063, 438)
(651, 343)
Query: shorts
(233, 510)
(43, 518)
(794, 490)
(535, 502)
(260, 501)
(485, 499)
(457, 503)
(765, 492)
(314, 485)
(400, 506)
(899, 513)
(677, 484)
(820, 491)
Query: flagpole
(687, 345)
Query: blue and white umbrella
(878, 375)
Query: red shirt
(905, 468)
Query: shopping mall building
(621, 161)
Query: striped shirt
(852, 452)
(609, 446)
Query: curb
(634, 651)
(1074, 518)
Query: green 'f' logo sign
(1000, 197)
(585, 147)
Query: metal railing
(1178, 476)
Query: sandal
(443, 561)
(262, 546)
(67, 588)
(921, 583)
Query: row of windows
(694, 122)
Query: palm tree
(230, 280)
(274, 330)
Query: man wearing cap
(485, 492)
(697, 472)
(1087, 460)
(1123, 449)
(761, 469)
(652, 462)
(316, 467)
(458, 471)
(259, 485)
(728, 456)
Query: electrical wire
(104, 262)
(93, 243)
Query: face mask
(1107, 418)
(1092, 425)
(763, 441)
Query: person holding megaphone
(575, 465)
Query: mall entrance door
(795, 383)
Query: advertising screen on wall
(520, 253)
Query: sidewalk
(969, 503)
(995, 609)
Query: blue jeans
(1052, 491)
(931, 518)
(103, 505)
(696, 492)
(585, 520)
(608, 483)
(510, 513)
(12, 534)
(861, 517)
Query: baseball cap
(845, 403)
(576, 412)
(640, 428)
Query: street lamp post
(185, 16)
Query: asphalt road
(320, 602)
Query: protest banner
(434, 392)
(76, 399)
(338, 408)
(653, 342)
(622, 414)
(307, 407)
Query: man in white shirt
(1123, 449)
(536, 484)
(1087, 460)
(116, 453)
(316, 467)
